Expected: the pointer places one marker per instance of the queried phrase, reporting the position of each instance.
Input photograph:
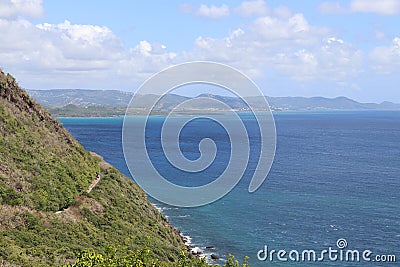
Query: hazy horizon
(217, 94)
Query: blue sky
(289, 48)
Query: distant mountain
(338, 103)
(64, 102)
(80, 97)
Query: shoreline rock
(190, 249)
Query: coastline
(274, 112)
(200, 251)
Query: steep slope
(42, 166)
(47, 216)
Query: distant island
(106, 103)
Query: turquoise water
(335, 175)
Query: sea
(334, 187)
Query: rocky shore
(200, 252)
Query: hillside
(48, 218)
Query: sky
(289, 48)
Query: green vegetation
(47, 216)
(42, 166)
(142, 258)
(115, 212)
(90, 111)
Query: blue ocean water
(335, 175)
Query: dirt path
(90, 188)
(95, 182)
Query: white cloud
(331, 8)
(71, 55)
(94, 55)
(294, 28)
(250, 8)
(84, 42)
(381, 7)
(75, 55)
(15, 8)
(282, 12)
(144, 48)
(386, 59)
(213, 11)
(291, 46)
